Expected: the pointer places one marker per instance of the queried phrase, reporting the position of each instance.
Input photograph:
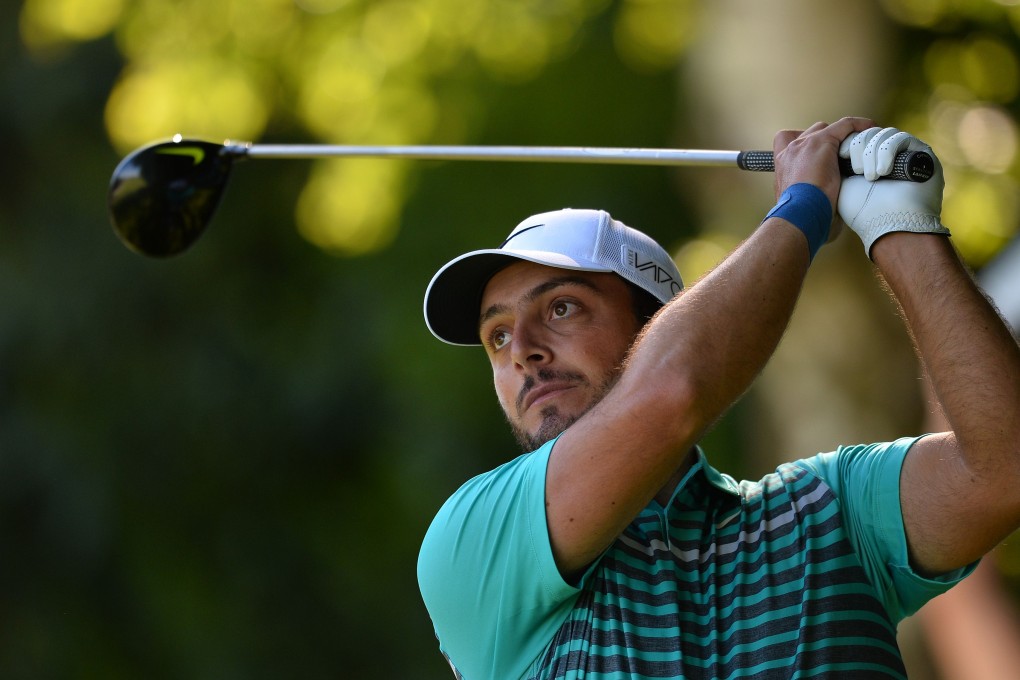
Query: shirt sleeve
(867, 480)
(487, 573)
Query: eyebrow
(535, 293)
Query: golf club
(163, 195)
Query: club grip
(912, 166)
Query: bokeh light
(49, 23)
(973, 82)
(351, 206)
(207, 98)
(981, 211)
(651, 34)
(698, 256)
(988, 138)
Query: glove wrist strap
(902, 221)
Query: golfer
(612, 548)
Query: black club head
(163, 195)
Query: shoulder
(484, 499)
(850, 467)
(486, 570)
(498, 487)
(861, 478)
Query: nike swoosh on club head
(194, 152)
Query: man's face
(555, 339)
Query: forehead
(523, 280)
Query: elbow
(675, 406)
(993, 472)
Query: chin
(553, 424)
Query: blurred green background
(221, 465)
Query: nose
(528, 346)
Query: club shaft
(914, 166)
(562, 154)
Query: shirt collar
(721, 481)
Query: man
(612, 549)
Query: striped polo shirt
(802, 574)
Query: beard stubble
(554, 422)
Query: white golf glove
(873, 207)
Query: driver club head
(163, 195)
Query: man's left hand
(872, 206)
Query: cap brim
(454, 296)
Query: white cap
(585, 240)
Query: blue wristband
(806, 207)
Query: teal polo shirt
(803, 573)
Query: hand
(809, 156)
(873, 207)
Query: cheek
(505, 387)
(606, 361)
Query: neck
(666, 492)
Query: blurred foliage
(389, 72)
(222, 465)
(959, 93)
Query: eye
(562, 309)
(498, 339)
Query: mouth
(542, 393)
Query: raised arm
(695, 358)
(960, 490)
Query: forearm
(969, 354)
(714, 339)
(707, 346)
(959, 490)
